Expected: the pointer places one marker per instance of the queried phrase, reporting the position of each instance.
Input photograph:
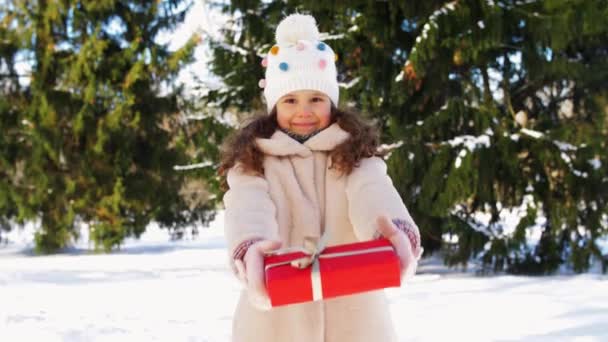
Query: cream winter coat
(300, 196)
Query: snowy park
(487, 120)
(158, 290)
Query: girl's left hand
(402, 246)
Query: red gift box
(337, 271)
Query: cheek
(325, 116)
(283, 119)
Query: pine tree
(518, 126)
(9, 79)
(494, 109)
(94, 132)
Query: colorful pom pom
(284, 66)
(265, 62)
(322, 64)
(262, 83)
(321, 46)
(274, 50)
(300, 46)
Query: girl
(305, 170)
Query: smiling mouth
(304, 124)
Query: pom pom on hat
(297, 27)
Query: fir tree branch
(487, 93)
(505, 85)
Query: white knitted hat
(299, 61)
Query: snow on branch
(564, 148)
(471, 142)
(192, 166)
(223, 44)
(532, 133)
(234, 48)
(326, 36)
(351, 83)
(507, 222)
(389, 148)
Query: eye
(289, 100)
(317, 99)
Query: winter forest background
(495, 114)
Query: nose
(305, 109)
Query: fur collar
(281, 144)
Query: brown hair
(240, 147)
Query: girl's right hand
(402, 245)
(254, 272)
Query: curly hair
(240, 147)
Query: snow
(532, 133)
(580, 173)
(471, 142)
(350, 84)
(432, 22)
(326, 36)
(564, 146)
(596, 163)
(193, 166)
(461, 155)
(390, 147)
(157, 290)
(399, 77)
(508, 220)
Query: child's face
(304, 111)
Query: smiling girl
(305, 170)
(303, 113)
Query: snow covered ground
(156, 290)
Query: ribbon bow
(313, 246)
